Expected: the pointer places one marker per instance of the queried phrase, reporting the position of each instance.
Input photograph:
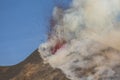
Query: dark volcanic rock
(31, 69)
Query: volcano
(83, 44)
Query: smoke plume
(84, 41)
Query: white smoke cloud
(85, 41)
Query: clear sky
(23, 26)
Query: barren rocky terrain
(31, 68)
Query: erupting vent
(57, 46)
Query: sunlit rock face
(84, 41)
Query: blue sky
(23, 26)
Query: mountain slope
(31, 68)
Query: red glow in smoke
(57, 46)
(52, 32)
